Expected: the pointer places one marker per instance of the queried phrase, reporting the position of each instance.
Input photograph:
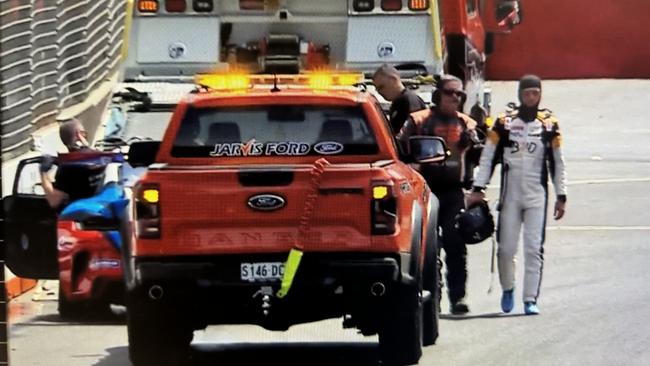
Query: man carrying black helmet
(447, 180)
(527, 141)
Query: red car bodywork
(90, 266)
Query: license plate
(263, 271)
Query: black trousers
(451, 202)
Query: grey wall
(53, 54)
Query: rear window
(274, 130)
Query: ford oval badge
(266, 202)
(328, 147)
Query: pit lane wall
(576, 39)
(58, 59)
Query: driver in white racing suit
(527, 142)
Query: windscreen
(274, 130)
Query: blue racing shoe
(508, 300)
(530, 308)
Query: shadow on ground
(83, 319)
(255, 354)
(481, 316)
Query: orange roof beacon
(277, 200)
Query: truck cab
(469, 29)
(278, 200)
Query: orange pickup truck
(277, 201)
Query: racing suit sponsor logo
(516, 134)
(535, 131)
(516, 146)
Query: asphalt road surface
(594, 294)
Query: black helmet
(476, 223)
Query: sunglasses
(450, 92)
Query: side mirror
(500, 16)
(143, 153)
(428, 149)
(508, 14)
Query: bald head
(386, 70)
(388, 82)
(71, 132)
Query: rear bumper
(325, 286)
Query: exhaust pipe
(378, 289)
(156, 292)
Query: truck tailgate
(221, 211)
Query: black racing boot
(458, 307)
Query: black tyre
(70, 310)
(400, 337)
(431, 283)
(157, 336)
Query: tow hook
(156, 292)
(378, 289)
(266, 292)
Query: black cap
(530, 81)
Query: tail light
(363, 5)
(147, 211)
(383, 210)
(391, 5)
(203, 6)
(175, 6)
(148, 6)
(418, 5)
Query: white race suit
(528, 151)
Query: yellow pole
(127, 29)
(435, 24)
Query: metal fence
(53, 53)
